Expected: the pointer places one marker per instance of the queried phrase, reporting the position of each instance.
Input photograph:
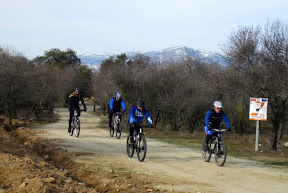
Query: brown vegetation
(177, 94)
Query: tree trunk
(275, 131)
(157, 117)
(281, 127)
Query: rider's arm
(147, 114)
(123, 105)
(207, 118)
(111, 103)
(82, 102)
(69, 100)
(226, 120)
(131, 118)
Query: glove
(229, 129)
(85, 109)
(149, 120)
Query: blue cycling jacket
(136, 115)
(116, 105)
(214, 119)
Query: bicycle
(139, 144)
(116, 125)
(75, 124)
(217, 147)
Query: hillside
(159, 57)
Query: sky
(32, 27)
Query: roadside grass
(242, 146)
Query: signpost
(258, 112)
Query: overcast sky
(117, 26)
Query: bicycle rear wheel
(206, 153)
(77, 128)
(129, 147)
(118, 131)
(221, 154)
(141, 148)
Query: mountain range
(94, 60)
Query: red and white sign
(258, 109)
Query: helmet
(140, 103)
(118, 95)
(217, 104)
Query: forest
(177, 94)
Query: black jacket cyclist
(74, 99)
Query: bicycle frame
(139, 145)
(75, 124)
(117, 118)
(116, 125)
(219, 148)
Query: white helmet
(217, 104)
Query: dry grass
(238, 145)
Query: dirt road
(168, 167)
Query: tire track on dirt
(166, 167)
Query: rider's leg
(220, 136)
(78, 112)
(110, 117)
(70, 119)
(131, 133)
(208, 136)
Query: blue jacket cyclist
(115, 105)
(136, 115)
(213, 120)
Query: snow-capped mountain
(161, 57)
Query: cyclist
(74, 99)
(213, 120)
(136, 115)
(115, 105)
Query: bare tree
(14, 81)
(259, 59)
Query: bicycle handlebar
(148, 126)
(219, 130)
(141, 125)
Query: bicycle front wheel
(77, 128)
(129, 147)
(141, 148)
(206, 153)
(118, 131)
(221, 154)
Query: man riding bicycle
(136, 115)
(115, 105)
(213, 120)
(74, 99)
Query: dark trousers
(208, 138)
(111, 112)
(72, 114)
(110, 117)
(133, 128)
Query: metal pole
(257, 135)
